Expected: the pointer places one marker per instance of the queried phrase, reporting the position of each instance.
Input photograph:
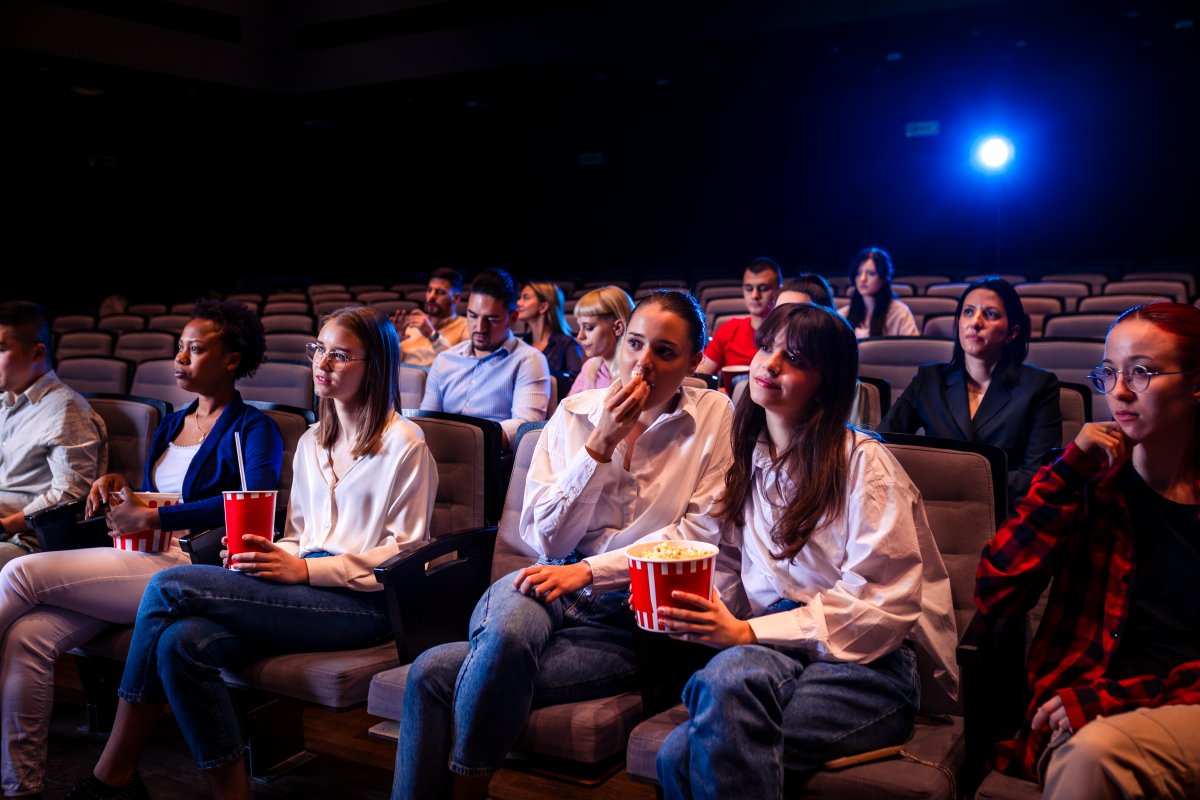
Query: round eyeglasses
(337, 361)
(1137, 377)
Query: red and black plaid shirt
(1074, 527)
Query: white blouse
(172, 467)
(383, 503)
(898, 322)
(870, 579)
(675, 478)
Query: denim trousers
(465, 703)
(757, 713)
(194, 620)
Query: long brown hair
(380, 392)
(815, 458)
(552, 295)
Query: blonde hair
(607, 301)
(555, 315)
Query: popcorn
(673, 551)
(636, 372)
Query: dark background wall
(789, 143)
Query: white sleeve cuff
(610, 571)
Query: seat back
(358, 288)
(90, 375)
(292, 423)
(1068, 291)
(1094, 280)
(377, 296)
(1116, 303)
(325, 288)
(171, 323)
(182, 308)
(1071, 360)
(719, 293)
(1075, 402)
(512, 552)
(84, 343)
(389, 307)
(921, 283)
(1011, 277)
(287, 297)
(964, 488)
(278, 382)
(953, 290)
(896, 358)
(923, 307)
(458, 450)
(735, 306)
(1038, 308)
(147, 309)
(278, 307)
(881, 389)
(403, 288)
(247, 297)
(490, 477)
(1084, 326)
(131, 422)
(288, 323)
(139, 346)
(121, 322)
(73, 322)
(1176, 290)
(329, 306)
(156, 379)
(553, 403)
(321, 297)
(939, 327)
(1187, 278)
(412, 385)
(287, 346)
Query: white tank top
(172, 466)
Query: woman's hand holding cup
(619, 412)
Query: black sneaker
(134, 790)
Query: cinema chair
(360, 288)
(1069, 292)
(1188, 278)
(1012, 278)
(963, 485)
(923, 307)
(1117, 303)
(324, 307)
(119, 323)
(288, 323)
(250, 298)
(373, 297)
(139, 346)
(1176, 290)
(73, 322)
(171, 323)
(1038, 308)
(287, 297)
(390, 307)
(921, 283)
(433, 605)
(1079, 326)
(1094, 280)
(92, 374)
(896, 358)
(147, 309)
(412, 385)
(84, 343)
(156, 379)
(325, 288)
(1071, 360)
(278, 382)
(1075, 402)
(288, 347)
(275, 308)
(879, 395)
(952, 290)
(939, 327)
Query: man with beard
(425, 334)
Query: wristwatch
(435, 336)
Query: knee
(182, 644)
(728, 670)
(436, 670)
(15, 577)
(1086, 750)
(508, 625)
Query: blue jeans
(465, 703)
(194, 620)
(758, 713)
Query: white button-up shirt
(509, 385)
(676, 476)
(52, 445)
(870, 579)
(383, 503)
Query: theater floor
(352, 765)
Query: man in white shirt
(52, 444)
(425, 334)
(493, 375)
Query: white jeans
(50, 603)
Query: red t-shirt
(732, 344)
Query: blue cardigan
(214, 468)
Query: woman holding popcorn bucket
(641, 461)
(842, 572)
(364, 487)
(53, 601)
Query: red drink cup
(149, 541)
(652, 579)
(249, 513)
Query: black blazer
(1024, 420)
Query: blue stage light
(993, 153)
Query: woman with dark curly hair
(58, 600)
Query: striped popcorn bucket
(149, 541)
(249, 512)
(652, 581)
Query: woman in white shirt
(874, 309)
(642, 460)
(364, 486)
(842, 572)
(54, 601)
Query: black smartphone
(101, 512)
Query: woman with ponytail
(843, 575)
(1112, 526)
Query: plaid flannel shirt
(1073, 526)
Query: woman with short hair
(602, 315)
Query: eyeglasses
(337, 361)
(1137, 377)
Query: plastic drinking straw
(237, 440)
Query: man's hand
(420, 320)
(14, 523)
(709, 623)
(128, 514)
(1052, 712)
(275, 564)
(547, 582)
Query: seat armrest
(58, 527)
(59, 512)
(432, 605)
(204, 547)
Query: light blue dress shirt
(509, 385)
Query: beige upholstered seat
(275, 308)
(292, 423)
(1074, 416)
(457, 449)
(1038, 308)
(895, 359)
(960, 498)
(1071, 361)
(923, 307)
(412, 385)
(156, 379)
(287, 346)
(121, 322)
(1187, 278)
(1003, 787)
(131, 426)
(84, 343)
(336, 680)
(287, 297)
(951, 290)
(139, 346)
(376, 296)
(1085, 326)
(1116, 303)
(922, 282)
(1095, 280)
(1176, 290)
(274, 382)
(288, 323)
(323, 307)
(939, 327)
(87, 375)
(588, 732)
(147, 309)
(73, 322)
(390, 307)
(1068, 291)
(171, 323)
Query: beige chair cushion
(131, 426)
(286, 384)
(335, 680)
(896, 360)
(1071, 362)
(142, 346)
(935, 739)
(1070, 402)
(412, 386)
(291, 428)
(288, 323)
(512, 553)
(84, 343)
(87, 375)
(588, 732)
(457, 449)
(156, 379)
(1003, 787)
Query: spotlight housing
(992, 154)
